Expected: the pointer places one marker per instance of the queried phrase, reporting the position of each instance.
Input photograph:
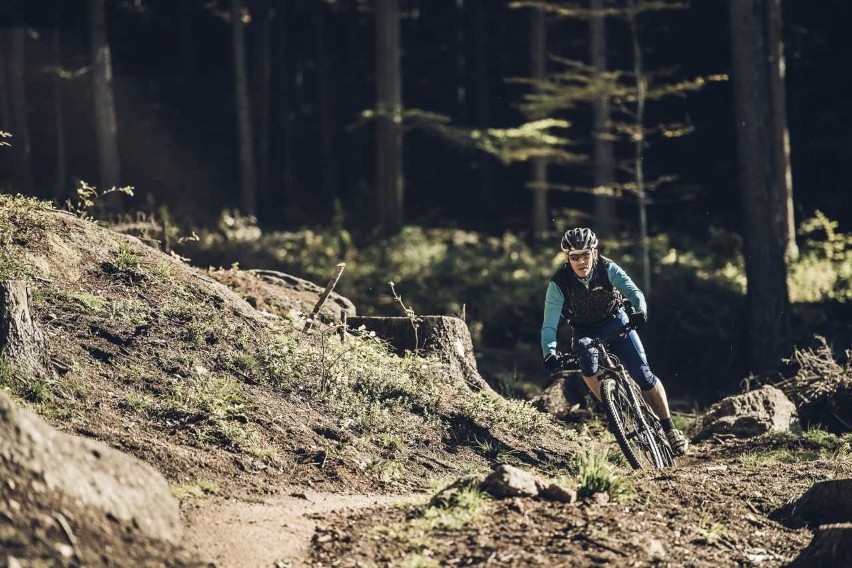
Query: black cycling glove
(552, 362)
(638, 319)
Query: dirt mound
(162, 361)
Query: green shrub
(824, 267)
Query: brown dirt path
(274, 531)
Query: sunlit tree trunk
(764, 186)
(61, 174)
(19, 124)
(778, 100)
(106, 128)
(389, 178)
(538, 55)
(245, 141)
(604, 159)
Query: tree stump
(826, 502)
(444, 336)
(21, 340)
(831, 546)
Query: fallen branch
(332, 282)
(69, 534)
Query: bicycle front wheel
(629, 427)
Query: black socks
(667, 424)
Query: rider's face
(581, 261)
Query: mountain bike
(635, 426)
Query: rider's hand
(638, 319)
(552, 362)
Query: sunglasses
(580, 256)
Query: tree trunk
(826, 502)
(352, 172)
(778, 102)
(763, 191)
(21, 340)
(245, 141)
(106, 128)
(538, 56)
(264, 73)
(447, 337)
(21, 150)
(831, 546)
(284, 146)
(5, 97)
(604, 158)
(326, 134)
(482, 112)
(461, 62)
(61, 173)
(639, 145)
(389, 179)
(188, 47)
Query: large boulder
(90, 472)
(751, 414)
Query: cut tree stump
(444, 336)
(831, 546)
(826, 502)
(21, 340)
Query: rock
(826, 502)
(656, 550)
(600, 498)
(447, 496)
(90, 472)
(554, 492)
(509, 481)
(751, 414)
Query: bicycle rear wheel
(632, 432)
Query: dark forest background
(311, 84)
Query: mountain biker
(589, 290)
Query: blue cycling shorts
(629, 350)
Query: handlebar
(570, 361)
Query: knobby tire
(625, 426)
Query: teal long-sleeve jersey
(554, 301)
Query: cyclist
(589, 290)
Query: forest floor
(295, 449)
(721, 506)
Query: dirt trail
(274, 531)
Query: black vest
(598, 303)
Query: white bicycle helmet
(579, 239)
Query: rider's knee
(646, 379)
(588, 357)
